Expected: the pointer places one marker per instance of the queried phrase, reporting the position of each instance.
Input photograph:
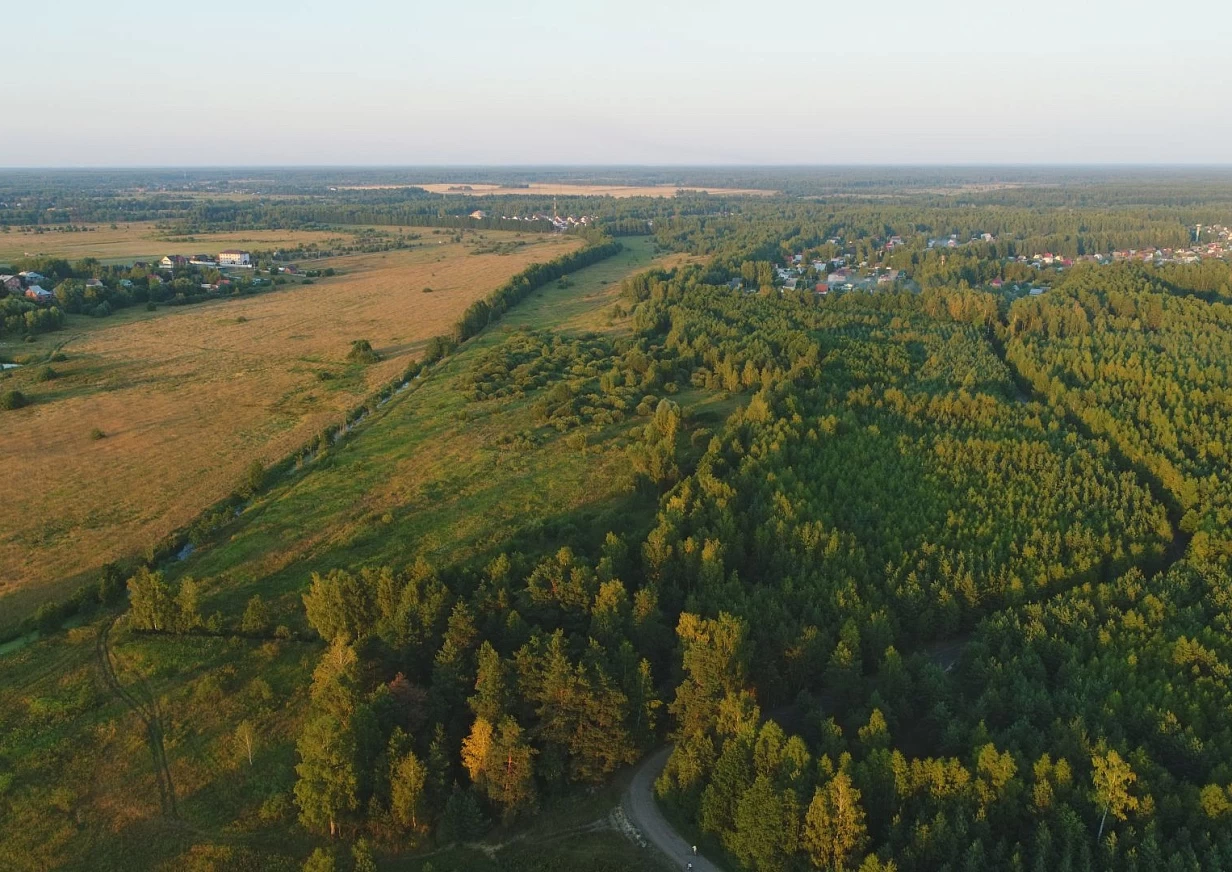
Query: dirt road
(643, 812)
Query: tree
(339, 604)
(254, 478)
(321, 860)
(491, 699)
(326, 789)
(246, 739)
(407, 784)
(1112, 778)
(767, 826)
(256, 618)
(150, 601)
(361, 857)
(188, 604)
(834, 830)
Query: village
(183, 274)
(836, 274)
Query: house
(126, 283)
(822, 288)
(234, 257)
(12, 284)
(39, 295)
(173, 261)
(95, 283)
(30, 277)
(202, 260)
(289, 269)
(839, 276)
(479, 214)
(1035, 292)
(997, 283)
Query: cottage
(202, 260)
(479, 214)
(822, 288)
(234, 257)
(39, 295)
(12, 284)
(94, 283)
(289, 269)
(30, 277)
(173, 261)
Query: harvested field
(618, 191)
(187, 398)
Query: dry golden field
(618, 191)
(188, 397)
(142, 240)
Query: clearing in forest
(187, 398)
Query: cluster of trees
(446, 701)
(1145, 366)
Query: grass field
(427, 477)
(422, 476)
(619, 191)
(144, 241)
(188, 397)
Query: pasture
(186, 398)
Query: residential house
(95, 283)
(39, 294)
(822, 288)
(202, 260)
(30, 277)
(234, 257)
(12, 284)
(173, 261)
(479, 214)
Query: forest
(928, 578)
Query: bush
(46, 374)
(363, 352)
(97, 434)
(13, 400)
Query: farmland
(187, 398)
(567, 190)
(145, 241)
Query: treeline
(483, 312)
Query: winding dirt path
(642, 810)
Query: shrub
(13, 400)
(362, 352)
(97, 434)
(46, 374)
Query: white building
(234, 257)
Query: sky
(660, 82)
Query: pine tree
(834, 831)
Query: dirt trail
(147, 710)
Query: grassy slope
(76, 776)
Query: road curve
(643, 812)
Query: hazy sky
(138, 82)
